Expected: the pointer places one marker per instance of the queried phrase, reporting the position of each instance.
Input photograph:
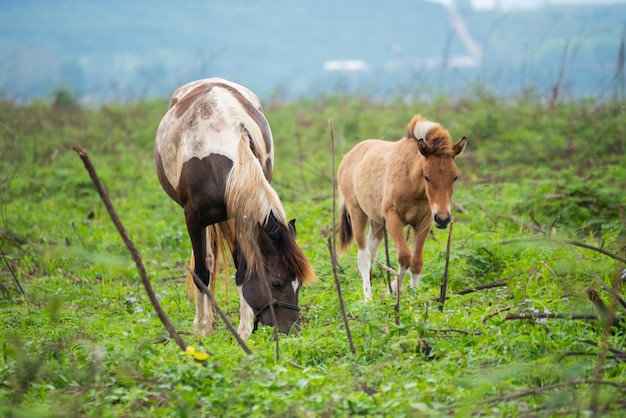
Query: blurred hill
(124, 50)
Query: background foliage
(122, 50)
(82, 339)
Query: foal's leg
(246, 315)
(364, 258)
(395, 226)
(374, 239)
(421, 233)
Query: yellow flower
(197, 355)
(200, 356)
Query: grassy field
(540, 207)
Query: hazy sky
(509, 4)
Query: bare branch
(496, 312)
(444, 286)
(19, 286)
(131, 247)
(331, 242)
(546, 315)
(497, 283)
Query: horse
(395, 184)
(214, 157)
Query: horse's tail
(345, 229)
(220, 239)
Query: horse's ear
(292, 224)
(423, 147)
(269, 240)
(459, 147)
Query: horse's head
(439, 171)
(277, 281)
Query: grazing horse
(407, 182)
(214, 157)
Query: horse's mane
(436, 137)
(250, 200)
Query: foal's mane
(436, 137)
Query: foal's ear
(459, 147)
(423, 147)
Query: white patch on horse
(203, 322)
(246, 316)
(373, 244)
(422, 127)
(364, 260)
(415, 280)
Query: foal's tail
(345, 229)
(220, 239)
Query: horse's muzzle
(442, 223)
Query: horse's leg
(203, 322)
(246, 316)
(417, 261)
(395, 226)
(364, 258)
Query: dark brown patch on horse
(202, 187)
(269, 169)
(186, 101)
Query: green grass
(84, 340)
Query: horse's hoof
(244, 334)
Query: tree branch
(542, 315)
(131, 247)
(497, 283)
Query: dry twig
(131, 247)
(444, 286)
(496, 312)
(497, 283)
(17, 282)
(331, 242)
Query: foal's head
(438, 166)
(276, 280)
